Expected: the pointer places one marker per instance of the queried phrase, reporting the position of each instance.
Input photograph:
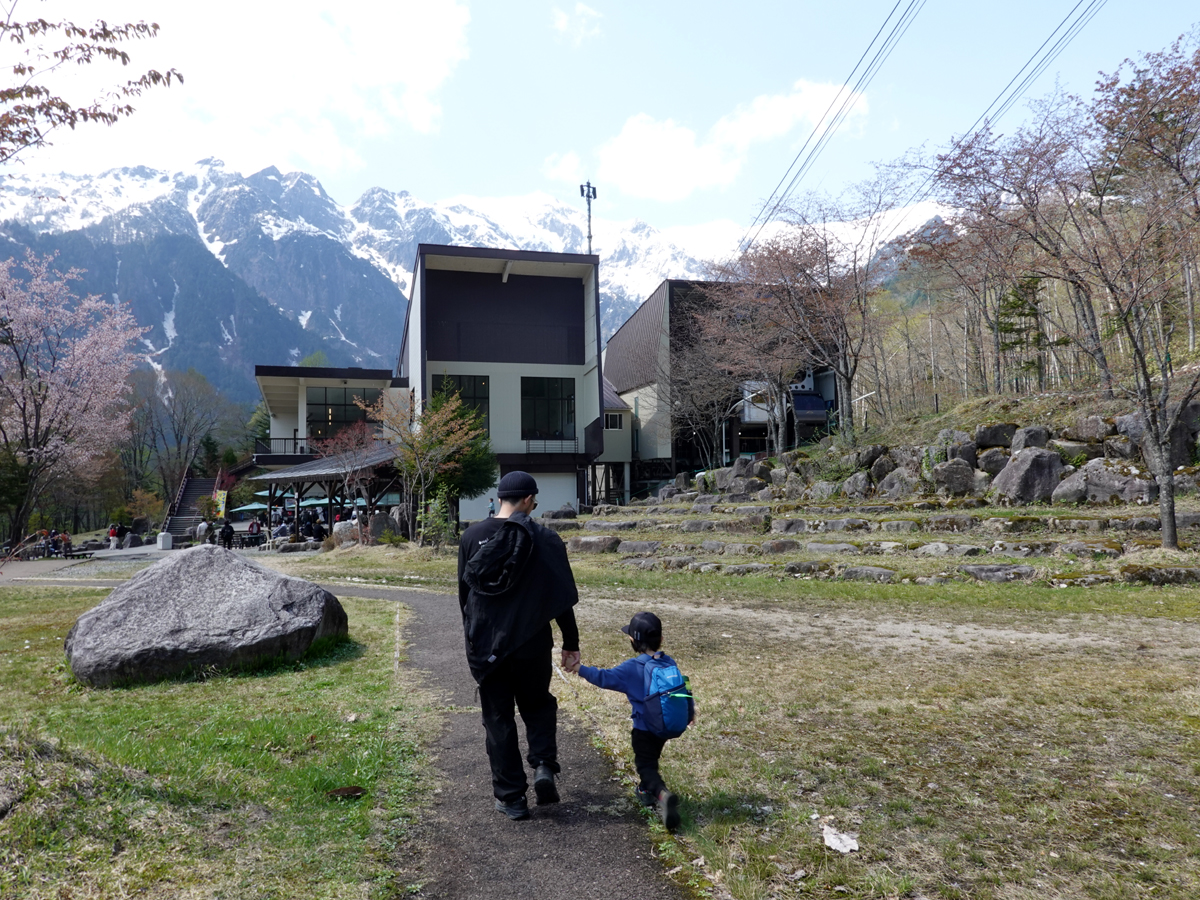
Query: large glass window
(331, 409)
(548, 409)
(472, 389)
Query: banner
(220, 496)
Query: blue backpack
(668, 699)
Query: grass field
(209, 787)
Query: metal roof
(327, 467)
(631, 357)
(612, 400)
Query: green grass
(207, 786)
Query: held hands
(570, 661)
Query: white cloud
(296, 83)
(563, 167)
(666, 161)
(577, 26)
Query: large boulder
(743, 467)
(822, 490)
(345, 533)
(795, 487)
(898, 484)
(952, 436)
(201, 608)
(964, 451)
(993, 460)
(955, 477)
(1091, 429)
(881, 467)
(1073, 450)
(998, 435)
(857, 486)
(1104, 481)
(381, 524)
(131, 540)
(1030, 436)
(1030, 476)
(867, 455)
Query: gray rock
(954, 477)
(703, 508)
(981, 483)
(752, 510)
(939, 548)
(561, 525)
(815, 547)
(1132, 426)
(822, 490)
(683, 481)
(1022, 549)
(952, 436)
(965, 451)
(566, 512)
(721, 478)
(298, 547)
(732, 549)
(610, 526)
(999, 435)
(1135, 523)
(638, 546)
(605, 543)
(1185, 484)
(844, 525)
(641, 562)
(1109, 549)
(666, 492)
(381, 524)
(790, 526)
(1161, 574)
(807, 568)
(197, 609)
(1030, 436)
(767, 494)
(1120, 447)
(795, 486)
(867, 455)
(932, 580)
(761, 470)
(951, 523)
(130, 541)
(695, 525)
(1110, 481)
(1093, 526)
(779, 476)
(1030, 476)
(606, 509)
(677, 562)
(712, 546)
(993, 460)
(747, 569)
(900, 525)
(998, 574)
(1072, 489)
(1072, 450)
(783, 545)
(898, 484)
(345, 533)
(868, 573)
(881, 467)
(1091, 429)
(857, 486)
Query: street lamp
(589, 193)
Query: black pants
(647, 748)
(523, 680)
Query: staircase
(186, 514)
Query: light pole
(589, 193)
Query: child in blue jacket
(645, 633)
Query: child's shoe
(668, 809)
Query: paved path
(593, 844)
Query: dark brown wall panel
(475, 317)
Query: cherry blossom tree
(64, 365)
(354, 452)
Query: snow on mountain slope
(238, 218)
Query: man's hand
(570, 661)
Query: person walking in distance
(513, 579)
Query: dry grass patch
(1028, 755)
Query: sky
(685, 115)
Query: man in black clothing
(513, 578)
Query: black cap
(516, 485)
(644, 626)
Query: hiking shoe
(514, 809)
(644, 797)
(543, 786)
(668, 810)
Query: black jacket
(513, 578)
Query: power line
(898, 30)
(1014, 94)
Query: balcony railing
(552, 446)
(294, 446)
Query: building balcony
(289, 451)
(552, 445)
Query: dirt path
(593, 844)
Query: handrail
(295, 446)
(552, 446)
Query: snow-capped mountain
(336, 276)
